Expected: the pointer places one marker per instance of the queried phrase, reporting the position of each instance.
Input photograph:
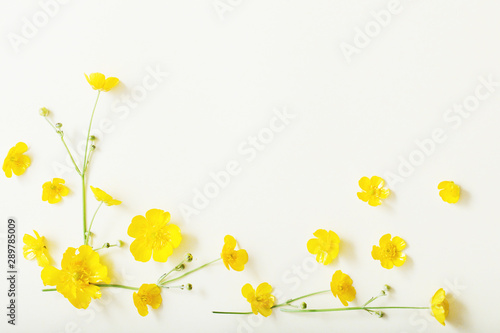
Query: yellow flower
(373, 190)
(230, 257)
(389, 252)
(261, 299)
(342, 288)
(325, 246)
(16, 160)
(54, 191)
(99, 82)
(450, 192)
(440, 306)
(148, 294)
(153, 235)
(78, 275)
(100, 195)
(35, 248)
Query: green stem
(84, 170)
(105, 247)
(93, 217)
(357, 308)
(301, 297)
(115, 286)
(50, 289)
(239, 313)
(65, 145)
(192, 271)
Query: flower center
(389, 251)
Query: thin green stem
(105, 247)
(93, 217)
(301, 297)
(84, 170)
(239, 313)
(49, 289)
(115, 286)
(190, 272)
(354, 308)
(65, 145)
(170, 287)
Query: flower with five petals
(341, 287)
(102, 196)
(450, 192)
(231, 257)
(16, 161)
(389, 251)
(261, 299)
(54, 190)
(148, 294)
(373, 190)
(440, 306)
(325, 246)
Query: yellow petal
(263, 289)
(247, 291)
(162, 254)
(399, 243)
(313, 246)
(138, 227)
(141, 250)
(363, 196)
(50, 276)
(374, 201)
(364, 183)
(110, 83)
(385, 239)
(376, 181)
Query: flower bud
(107, 245)
(386, 288)
(92, 138)
(119, 243)
(189, 257)
(58, 125)
(189, 286)
(379, 314)
(180, 267)
(92, 148)
(44, 112)
(303, 305)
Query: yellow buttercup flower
(148, 294)
(389, 252)
(325, 246)
(373, 190)
(450, 192)
(99, 82)
(231, 257)
(16, 161)
(54, 190)
(102, 196)
(261, 299)
(35, 248)
(78, 275)
(440, 306)
(341, 287)
(153, 235)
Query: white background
(227, 74)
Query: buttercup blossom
(440, 306)
(231, 257)
(373, 190)
(78, 275)
(99, 82)
(16, 161)
(325, 246)
(450, 192)
(148, 294)
(261, 299)
(35, 248)
(102, 196)
(389, 252)
(54, 191)
(153, 235)
(341, 287)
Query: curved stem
(240, 313)
(65, 145)
(93, 217)
(88, 133)
(301, 297)
(357, 308)
(192, 271)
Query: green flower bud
(44, 112)
(189, 286)
(92, 138)
(58, 125)
(180, 267)
(303, 305)
(189, 257)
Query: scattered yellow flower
(261, 299)
(342, 288)
(450, 192)
(389, 252)
(78, 275)
(148, 294)
(99, 82)
(440, 306)
(325, 246)
(153, 235)
(102, 196)
(373, 190)
(35, 248)
(16, 160)
(54, 190)
(231, 257)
